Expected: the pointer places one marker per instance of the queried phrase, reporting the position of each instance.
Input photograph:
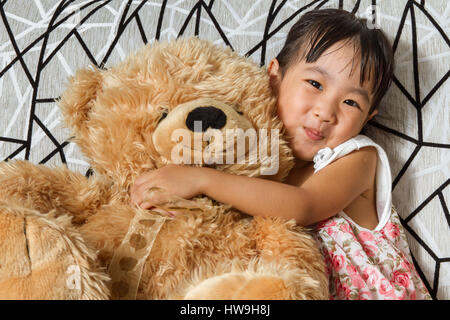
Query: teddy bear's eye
(163, 115)
(240, 112)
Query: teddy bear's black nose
(209, 116)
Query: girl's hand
(178, 180)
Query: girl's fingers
(150, 197)
(171, 214)
(155, 195)
(138, 188)
(136, 195)
(146, 205)
(134, 199)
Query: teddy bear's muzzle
(201, 132)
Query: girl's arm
(323, 195)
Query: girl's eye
(352, 103)
(315, 84)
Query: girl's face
(322, 104)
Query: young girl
(329, 79)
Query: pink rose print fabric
(366, 264)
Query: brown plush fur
(51, 218)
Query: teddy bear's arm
(45, 189)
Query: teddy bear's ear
(79, 97)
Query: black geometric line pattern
(44, 42)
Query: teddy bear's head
(186, 101)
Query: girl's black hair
(318, 30)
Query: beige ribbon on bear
(129, 258)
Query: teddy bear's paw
(43, 258)
(240, 286)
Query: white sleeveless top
(362, 263)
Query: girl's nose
(325, 113)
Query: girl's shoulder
(371, 208)
(350, 151)
(326, 156)
(334, 187)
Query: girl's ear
(370, 116)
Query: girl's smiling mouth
(313, 134)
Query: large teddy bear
(66, 236)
